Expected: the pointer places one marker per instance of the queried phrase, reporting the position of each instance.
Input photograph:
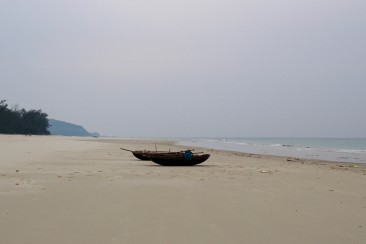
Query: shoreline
(172, 143)
(87, 190)
(305, 148)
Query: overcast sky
(192, 68)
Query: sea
(351, 150)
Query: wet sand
(87, 190)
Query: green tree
(9, 119)
(34, 122)
(15, 121)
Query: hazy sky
(173, 68)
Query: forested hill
(35, 122)
(58, 127)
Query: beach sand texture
(87, 190)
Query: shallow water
(333, 149)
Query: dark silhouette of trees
(21, 121)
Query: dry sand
(77, 190)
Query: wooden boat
(167, 158)
(145, 155)
(185, 158)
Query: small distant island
(35, 122)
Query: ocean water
(332, 149)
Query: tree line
(21, 121)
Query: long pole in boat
(126, 149)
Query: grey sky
(189, 68)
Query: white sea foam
(350, 151)
(275, 145)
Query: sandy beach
(87, 190)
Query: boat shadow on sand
(180, 166)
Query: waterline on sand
(333, 149)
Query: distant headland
(58, 127)
(35, 122)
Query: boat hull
(178, 160)
(146, 155)
(141, 155)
